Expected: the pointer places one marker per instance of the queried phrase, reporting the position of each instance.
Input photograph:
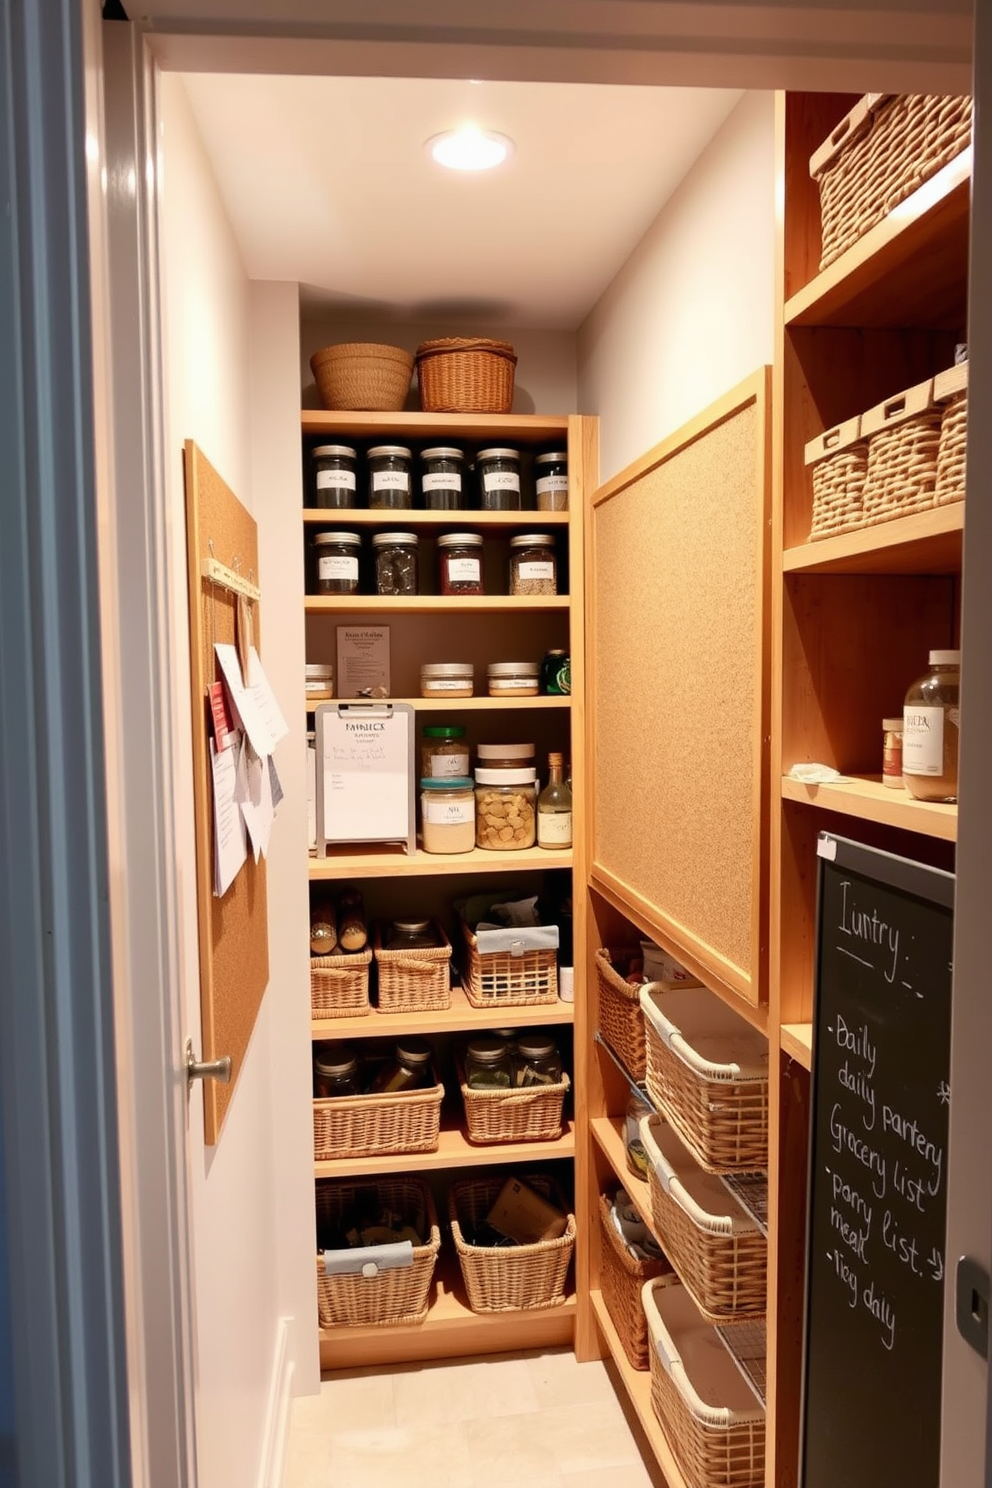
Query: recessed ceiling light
(469, 148)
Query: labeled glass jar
(459, 561)
(335, 562)
(444, 752)
(505, 809)
(335, 481)
(931, 725)
(335, 1071)
(551, 472)
(447, 679)
(514, 678)
(506, 756)
(447, 815)
(319, 683)
(488, 1065)
(443, 480)
(556, 674)
(390, 477)
(537, 1060)
(409, 1069)
(396, 567)
(499, 479)
(533, 566)
(892, 753)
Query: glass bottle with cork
(554, 807)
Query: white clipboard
(365, 774)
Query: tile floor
(530, 1420)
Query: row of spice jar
(445, 478)
(551, 677)
(507, 1059)
(336, 563)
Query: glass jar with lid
(551, 481)
(335, 562)
(931, 726)
(499, 479)
(444, 751)
(335, 1071)
(451, 679)
(514, 678)
(409, 1069)
(459, 559)
(537, 1060)
(443, 479)
(411, 935)
(319, 683)
(506, 756)
(390, 477)
(447, 814)
(505, 809)
(396, 567)
(533, 566)
(335, 482)
(488, 1065)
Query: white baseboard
(275, 1439)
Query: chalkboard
(878, 1171)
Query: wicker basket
(414, 981)
(377, 1125)
(339, 984)
(466, 376)
(950, 393)
(879, 154)
(362, 375)
(903, 439)
(717, 1249)
(708, 1412)
(385, 1296)
(621, 1021)
(512, 1278)
(708, 1073)
(531, 1115)
(622, 1277)
(498, 979)
(840, 466)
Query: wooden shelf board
(928, 542)
(866, 797)
(379, 861)
(608, 1134)
(460, 1016)
(355, 605)
(637, 1383)
(426, 521)
(473, 704)
(527, 428)
(797, 1040)
(922, 245)
(454, 1151)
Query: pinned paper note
(255, 705)
(230, 848)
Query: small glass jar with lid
(892, 753)
(537, 1060)
(459, 560)
(551, 481)
(447, 814)
(514, 678)
(507, 756)
(411, 935)
(451, 679)
(488, 1065)
(499, 479)
(931, 727)
(409, 1069)
(396, 566)
(443, 480)
(390, 477)
(335, 1071)
(505, 809)
(335, 562)
(533, 566)
(319, 683)
(444, 752)
(335, 482)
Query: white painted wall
(691, 313)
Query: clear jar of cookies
(505, 809)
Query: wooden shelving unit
(381, 863)
(460, 1017)
(434, 521)
(454, 1151)
(431, 604)
(870, 800)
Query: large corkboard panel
(234, 930)
(678, 707)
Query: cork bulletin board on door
(233, 930)
(678, 682)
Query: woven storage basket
(621, 1021)
(414, 981)
(466, 376)
(708, 1412)
(339, 985)
(715, 1246)
(531, 1115)
(501, 979)
(388, 1296)
(950, 392)
(377, 1125)
(879, 154)
(708, 1073)
(512, 1278)
(839, 460)
(903, 440)
(362, 375)
(622, 1277)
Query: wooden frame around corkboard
(678, 690)
(234, 930)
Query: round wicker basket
(362, 376)
(457, 375)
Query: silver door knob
(207, 1069)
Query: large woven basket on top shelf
(509, 1278)
(461, 375)
(414, 981)
(879, 153)
(622, 1277)
(339, 984)
(377, 1125)
(362, 376)
(363, 1298)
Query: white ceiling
(327, 182)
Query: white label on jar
(464, 570)
(340, 480)
(442, 482)
(449, 813)
(535, 570)
(445, 684)
(549, 483)
(446, 766)
(554, 827)
(501, 480)
(337, 568)
(923, 741)
(390, 480)
(512, 684)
